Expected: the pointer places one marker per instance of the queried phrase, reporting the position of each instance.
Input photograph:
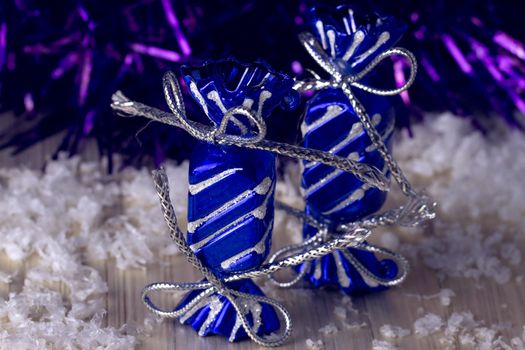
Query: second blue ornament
(350, 40)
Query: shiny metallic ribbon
(419, 207)
(217, 134)
(346, 235)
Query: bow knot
(339, 78)
(248, 135)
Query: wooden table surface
(310, 309)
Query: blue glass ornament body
(230, 208)
(230, 221)
(331, 125)
(231, 193)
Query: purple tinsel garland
(60, 62)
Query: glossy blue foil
(231, 192)
(330, 124)
(351, 36)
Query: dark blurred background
(60, 61)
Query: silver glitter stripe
(331, 41)
(370, 282)
(196, 188)
(320, 30)
(236, 326)
(355, 131)
(383, 38)
(265, 94)
(259, 248)
(352, 20)
(332, 111)
(358, 39)
(261, 188)
(250, 307)
(332, 175)
(215, 307)
(342, 276)
(247, 103)
(195, 91)
(347, 26)
(240, 125)
(259, 213)
(241, 80)
(317, 269)
(367, 276)
(355, 196)
(214, 96)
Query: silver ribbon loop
(173, 93)
(222, 137)
(237, 299)
(339, 78)
(396, 51)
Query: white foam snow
(54, 223)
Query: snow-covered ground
(54, 223)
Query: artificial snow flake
(428, 324)
(393, 332)
(329, 329)
(314, 344)
(382, 345)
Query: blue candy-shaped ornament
(351, 41)
(231, 191)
